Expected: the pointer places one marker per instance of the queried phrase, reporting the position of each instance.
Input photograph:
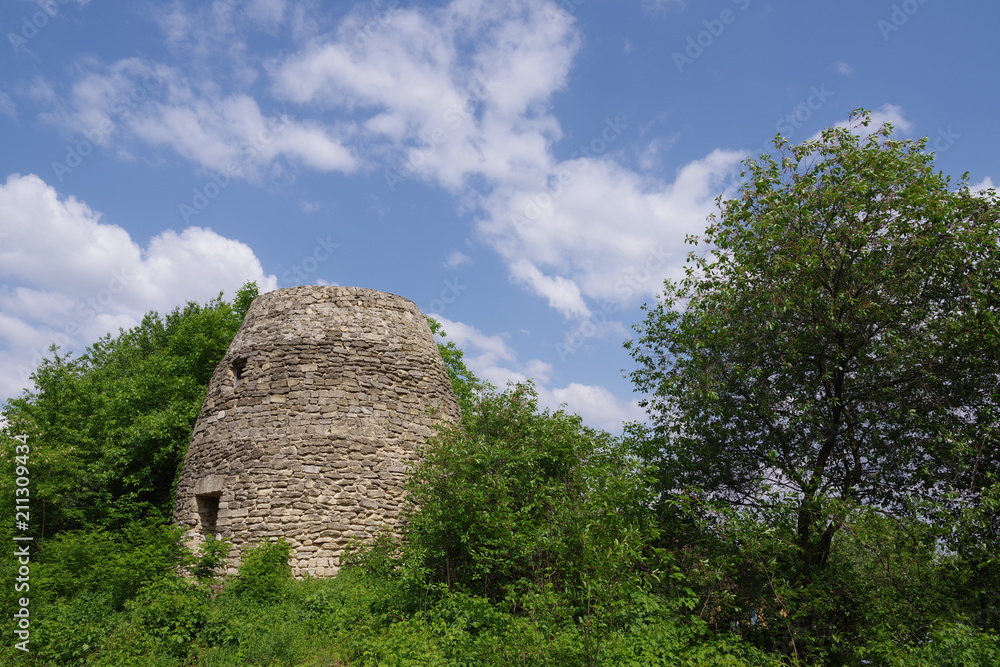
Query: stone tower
(323, 397)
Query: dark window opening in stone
(208, 513)
(239, 367)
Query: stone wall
(324, 396)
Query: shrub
(264, 573)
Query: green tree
(109, 429)
(835, 340)
(529, 540)
(463, 381)
(517, 497)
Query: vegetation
(833, 352)
(108, 431)
(816, 484)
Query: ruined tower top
(323, 397)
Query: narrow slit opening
(239, 367)
(208, 513)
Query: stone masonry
(323, 397)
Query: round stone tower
(323, 397)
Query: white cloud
(312, 144)
(562, 293)
(463, 92)
(603, 231)
(887, 113)
(132, 100)
(69, 278)
(100, 100)
(456, 259)
(37, 224)
(453, 92)
(843, 67)
(486, 355)
(985, 184)
(456, 95)
(890, 113)
(492, 359)
(599, 407)
(231, 134)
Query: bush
(949, 645)
(263, 575)
(82, 583)
(519, 495)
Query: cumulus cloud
(983, 185)
(887, 113)
(893, 114)
(461, 94)
(69, 278)
(458, 95)
(491, 358)
(598, 406)
(601, 230)
(137, 102)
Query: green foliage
(973, 534)
(463, 381)
(883, 565)
(949, 645)
(108, 430)
(834, 344)
(211, 559)
(521, 496)
(72, 629)
(840, 331)
(264, 573)
(79, 564)
(82, 585)
(360, 611)
(528, 541)
(257, 633)
(244, 297)
(165, 617)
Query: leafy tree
(463, 381)
(109, 430)
(521, 497)
(528, 540)
(835, 339)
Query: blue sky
(526, 171)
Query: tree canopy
(109, 429)
(835, 338)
